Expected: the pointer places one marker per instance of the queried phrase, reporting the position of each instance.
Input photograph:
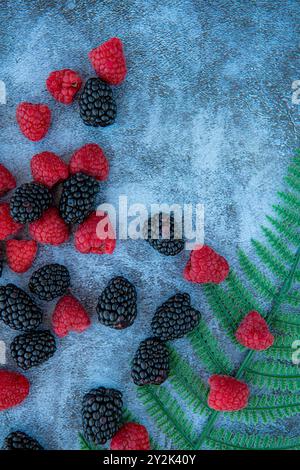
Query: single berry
(20, 441)
(34, 120)
(50, 281)
(151, 363)
(48, 169)
(175, 318)
(69, 315)
(96, 103)
(18, 310)
(8, 226)
(63, 85)
(227, 393)
(163, 234)
(254, 333)
(95, 235)
(117, 304)
(32, 349)
(29, 201)
(102, 411)
(90, 159)
(78, 198)
(206, 266)
(14, 388)
(20, 254)
(7, 180)
(131, 436)
(109, 62)
(1, 259)
(50, 229)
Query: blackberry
(18, 310)
(117, 304)
(77, 199)
(175, 318)
(151, 363)
(50, 281)
(163, 234)
(102, 410)
(20, 441)
(29, 201)
(33, 348)
(96, 103)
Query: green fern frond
(270, 260)
(278, 245)
(289, 233)
(294, 171)
(85, 445)
(288, 323)
(287, 215)
(273, 375)
(256, 277)
(222, 439)
(290, 200)
(293, 183)
(240, 294)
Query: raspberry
(254, 333)
(63, 85)
(205, 266)
(14, 388)
(69, 315)
(34, 120)
(48, 169)
(50, 229)
(7, 224)
(7, 180)
(227, 393)
(131, 436)
(109, 61)
(95, 235)
(20, 254)
(90, 159)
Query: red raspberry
(69, 315)
(7, 224)
(7, 180)
(50, 229)
(63, 85)
(14, 388)
(227, 393)
(48, 169)
(205, 265)
(131, 436)
(95, 235)
(90, 159)
(20, 254)
(109, 61)
(254, 333)
(34, 120)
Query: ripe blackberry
(151, 363)
(175, 318)
(77, 199)
(33, 348)
(163, 234)
(18, 310)
(50, 281)
(117, 304)
(96, 103)
(102, 410)
(29, 201)
(20, 441)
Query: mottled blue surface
(205, 115)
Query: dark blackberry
(29, 201)
(150, 365)
(20, 441)
(77, 199)
(33, 348)
(18, 310)
(96, 103)
(175, 318)
(102, 410)
(50, 281)
(163, 234)
(117, 304)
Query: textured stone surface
(205, 116)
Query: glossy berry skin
(96, 104)
(29, 201)
(14, 388)
(109, 62)
(90, 160)
(20, 254)
(206, 266)
(63, 85)
(8, 226)
(34, 120)
(7, 180)
(69, 315)
(20, 441)
(50, 229)
(50, 281)
(32, 349)
(254, 333)
(131, 436)
(150, 364)
(227, 393)
(90, 238)
(48, 169)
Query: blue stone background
(204, 116)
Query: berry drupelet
(96, 103)
(50, 281)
